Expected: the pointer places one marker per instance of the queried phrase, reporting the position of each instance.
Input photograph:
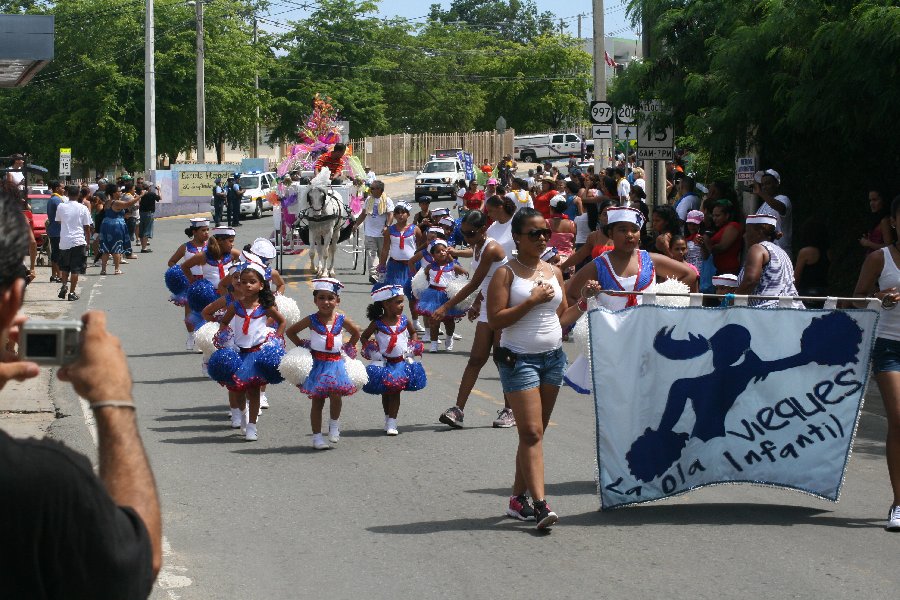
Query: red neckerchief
(440, 271)
(393, 332)
(257, 312)
(632, 298)
(321, 329)
(402, 235)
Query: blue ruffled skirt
(431, 299)
(239, 370)
(396, 273)
(328, 377)
(391, 378)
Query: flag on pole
(609, 60)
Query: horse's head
(316, 199)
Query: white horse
(326, 213)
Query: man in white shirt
(17, 176)
(520, 196)
(688, 200)
(75, 229)
(775, 204)
(623, 188)
(377, 214)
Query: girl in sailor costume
(625, 268)
(487, 256)
(440, 272)
(400, 242)
(415, 264)
(214, 263)
(177, 281)
(392, 370)
(328, 377)
(249, 350)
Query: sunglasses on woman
(536, 234)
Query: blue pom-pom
(267, 360)
(176, 281)
(375, 384)
(201, 294)
(223, 364)
(417, 378)
(194, 320)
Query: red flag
(609, 60)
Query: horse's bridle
(319, 218)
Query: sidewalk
(27, 408)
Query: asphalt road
(420, 515)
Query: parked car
(546, 146)
(256, 186)
(437, 178)
(38, 203)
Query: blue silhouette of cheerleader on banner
(735, 366)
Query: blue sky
(616, 22)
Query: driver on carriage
(334, 161)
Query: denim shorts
(886, 355)
(533, 370)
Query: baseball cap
(757, 177)
(695, 216)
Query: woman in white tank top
(881, 271)
(526, 303)
(487, 257)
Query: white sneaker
(448, 344)
(419, 327)
(435, 346)
(456, 336)
(334, 431)
(236, 418)
(893, 523)
(189, 344)
(319, 443)
(263, 401)
(391, 427)
(251, 435)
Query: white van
(550, 146)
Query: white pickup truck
(438, 178)
(549, 146)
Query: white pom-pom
(203, 339)
(296, 365)
(454, 287)
(673, 286)
(581, 336)
(356, 371)
(419, 283)
(289, 309)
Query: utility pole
(601, 150)
(579, 24)
(149, 93)
(655, 175)
(562, 27)
(201, 86)
(256, 90)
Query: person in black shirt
(67, 533)
(147, 206)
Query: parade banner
(689, 397)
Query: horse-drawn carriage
(317, 214)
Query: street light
(201, 84)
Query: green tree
(516, 20)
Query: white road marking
(171, 577)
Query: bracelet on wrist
(113, 404)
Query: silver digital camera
(50, 342)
